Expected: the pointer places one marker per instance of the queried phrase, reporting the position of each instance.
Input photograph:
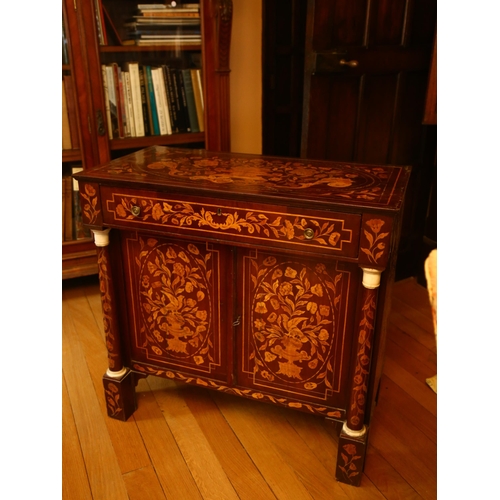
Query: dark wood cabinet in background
(262, 277)
(366, 69)
(89, 50)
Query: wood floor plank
(275, 470)
(125, 436)
(309, 468)
(94, 298)
(103, 471)
(241, 471)
(422, 447)
(203, 464)
(418, 368)
(143, 484)
(323, 441)
(419, 334)
(409, 344)
(419, 475)
(393, 399)
(387, 480)
(413, 294)
(75, 483)
(419, 390)
(417, 316)
(172, 471)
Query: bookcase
(115, 37)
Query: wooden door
(294, 339)
(176, 304)
(366, 73)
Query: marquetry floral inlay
(293, 322)
(376, 247)
(112, 399)
(350, 458)
(361, 371)
(107, 308)
(248, 393)
(366, 183)
(175, 300)
(90, 211)
(181, 214)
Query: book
(118, 104)
(198, 97)
(192, 13)
(168, 43)
(144, 103)
(128, 101)
(183, 110)
(106, 100)
(135, 84)
(170, 99)
(191, 104)
(66, 133)
(183, 99)
(150, 94)
(156, 74)
(122, 115)
(164, 100)
(113, 105)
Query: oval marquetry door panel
(176, 305)
(294, 340)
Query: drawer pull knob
(135, 210)
(309, 233)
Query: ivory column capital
(371, 278)
(101, 238)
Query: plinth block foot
(351, 458)
(120, 395)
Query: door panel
(294, 337)
(175, 300)
(365, 80)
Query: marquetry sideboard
(262, 277)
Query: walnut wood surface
(310, 182)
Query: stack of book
(152, 100)
(160, 24)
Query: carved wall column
(354, 434)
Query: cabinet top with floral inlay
(253, 177)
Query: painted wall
(246, 77)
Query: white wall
(246, 77)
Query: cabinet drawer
(233, 221)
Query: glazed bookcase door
(294, 341)
(78, 250)
(209, 56)
(176, 304)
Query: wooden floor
(186, 443)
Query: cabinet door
(175, 294)
(294, 340)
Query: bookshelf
(99, 36)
